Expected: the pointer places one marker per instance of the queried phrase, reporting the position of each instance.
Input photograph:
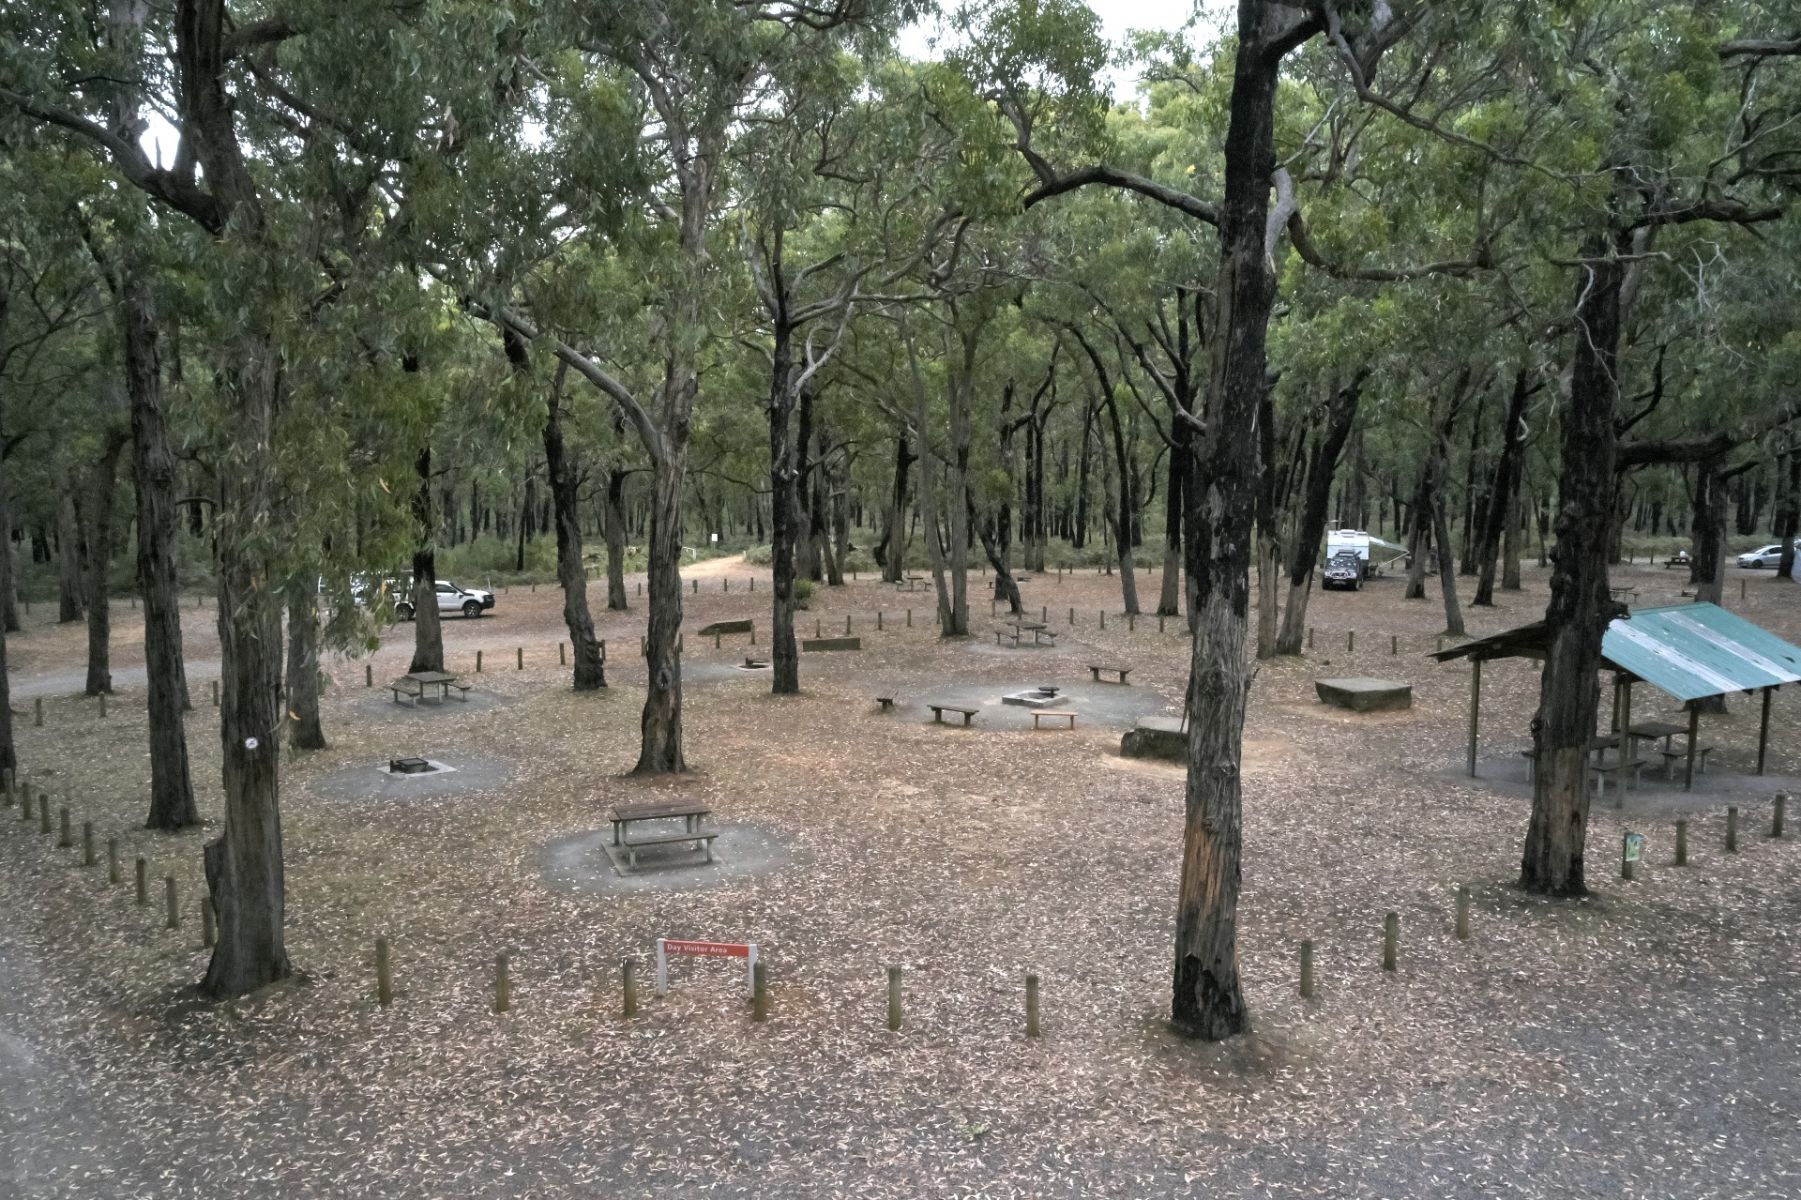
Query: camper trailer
(1371, 551)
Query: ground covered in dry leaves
(1640, 1043)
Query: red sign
(711, 949)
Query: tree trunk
(1503, 505)
(784, 655)
(1005, 586)
(1580, 607)
(1788, 510)
(1322, 469)
(153, 476)
(68, 557)
(244, 871)
(1447, 577)
(1708, 570)
(590, 674)
(1208, 999)
(1122, 514)
(891, 552)
(305, 732)
(9, 758)
(1169, 598)
(98, 543)
(660, 751)
(1419, 543)
(615, 536)
(428, 630)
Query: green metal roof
(1696, 650)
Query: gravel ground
(1631, 1044)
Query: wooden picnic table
(626, 816)
(1020, 627)
(415, 683)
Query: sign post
(1631, 848)
(744, 950)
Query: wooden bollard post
(628, 981)
(878, 620)
(478, 662)
(1732, 829)
(112, 861)
(143, 882)
(87, 844)
(697, 587)
(171, 903)
(726, 584)
(1309, 637)
(1682, 843)
(37, 711)
(503, 984)
(1741, 589)
(25, 802)
(519, 658)
(1776, 807)
(44, 813)
(384, 979)
(561, 648)
(1463, 912)
(103, 706)
(1044, 613)
(1103, 618)
(1350, 640)
(65, 836)
(759, 992)
(209, 923)
(1394, 644)
(909, 618)
(846, 624)
(753, 583)
(1072, 616)
(894, 998)
(1307, 968)
(818, 625)
(640, 587)
(1031, 1006)
(1391, 940)
(369, 672)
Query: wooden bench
(887, 702)
(1039, 714)
(1600, 773)
(702, 838)
(1122, 672)
(462, 689)
(938, 711)
(1672, 757)
(407, 687)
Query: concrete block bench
(1362, 694)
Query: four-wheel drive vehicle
(471, 602)
(1767, 556)
(1343, 570)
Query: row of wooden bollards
(628, 983)
(29, 799)
(1391, 941)
(1631, 851)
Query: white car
(1767, 556)
(471, 602)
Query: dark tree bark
(428, 630)
(1208, 999)
(1788, 510)
(1503, 502)
(891, 551)
(97, 541)
(9, 758)
(1580, 606)
(589, 672)
(1707, 570)
(1322, 467)
(68, 557)
(660, 751)
(615, 536)
(305, 730)
(784, 660)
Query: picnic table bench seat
(406, 687)
(1039, 714)
(1095, 669)
(938, 711)
(1675, 755)
(702, 838)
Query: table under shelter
(1690, 652)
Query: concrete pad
(1363, 694)
(584, 862)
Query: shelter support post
(1475, 708)
(1694, 732)
(1763, 730)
